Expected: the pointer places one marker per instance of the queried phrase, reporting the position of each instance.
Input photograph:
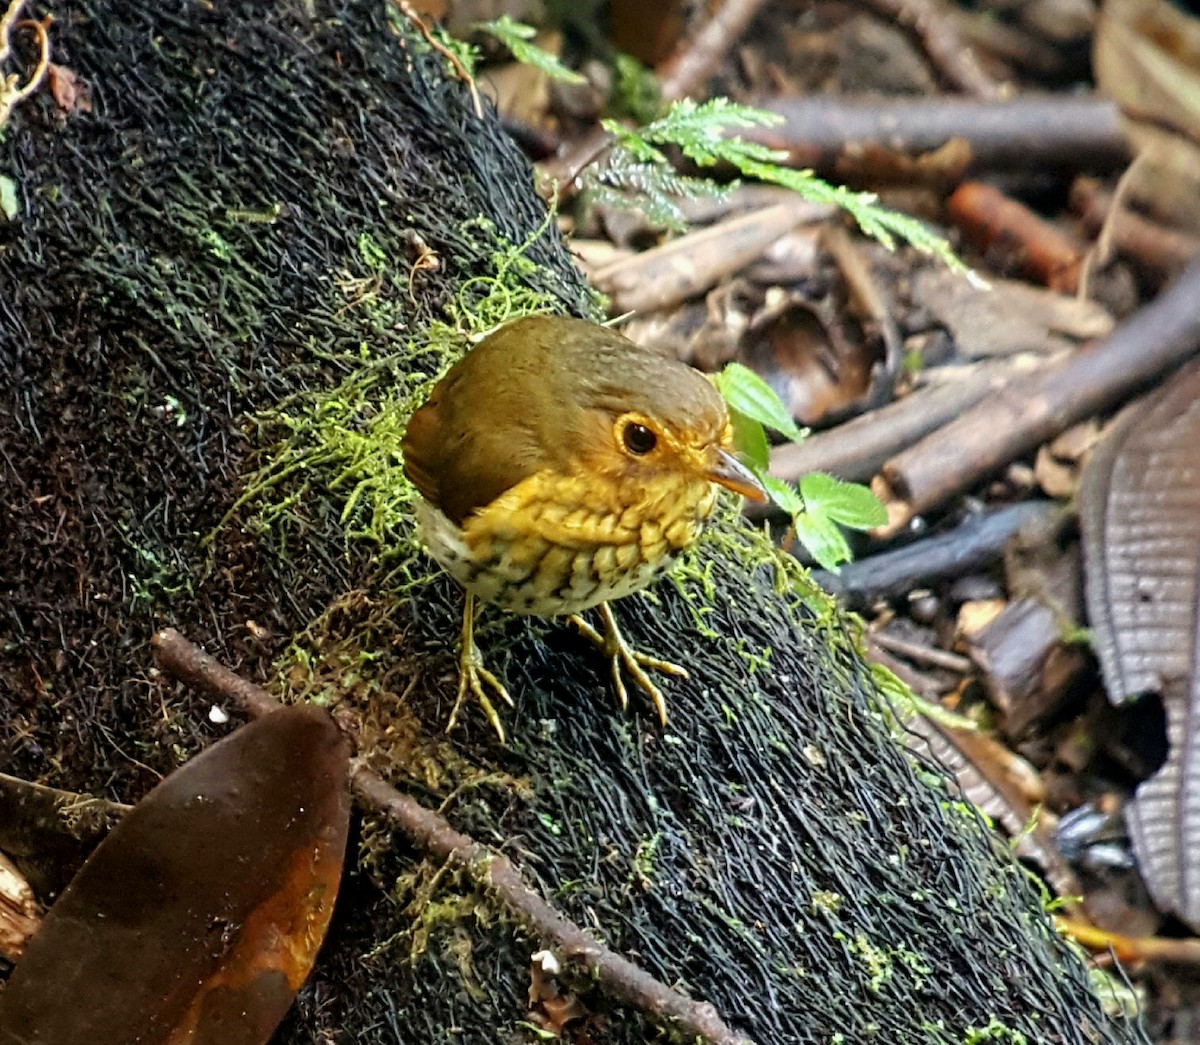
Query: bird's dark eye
(639, 439)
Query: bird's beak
(727, 471)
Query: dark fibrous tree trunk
(252, 230)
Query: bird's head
(667, 423)
(654, 444)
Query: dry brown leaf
(1074, 443)
(69, 92)
(649, 32)
(1140, 515)
(199, 917)
(521, 92)
(20, 913)
(810, 358)
(1056, 478)
(976, 615)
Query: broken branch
(432, 835)
(1033, 408)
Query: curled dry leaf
(198, 918)
(20, 913)
(1140, 514)
(1056, 478)
(69, 91)
(812, 359)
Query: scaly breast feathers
(556, 545)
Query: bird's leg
(622, 655)
(472, 675)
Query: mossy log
(218, 297)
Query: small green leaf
(823, 540)
(749, 394)
(785, 495)
(8, 197)
(750, 441)
(850, 504)
(516, 36)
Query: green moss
(881, 962)
(728, 535)
(826, 901)
(643, 859)
(341, 446)
(994, 1031)
(151, 577)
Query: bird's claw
(623, 656)
(472, 675)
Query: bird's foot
(623, 656)
(472, 675)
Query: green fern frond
(701, 133)
(516, 36)
(635, 92)
(655, 187)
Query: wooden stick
(1018, 135)
(683, 74)
(1032, 409)
(691, 264)
(975, 543)
(938, 34)
(1041, 250)
(1130, 949)
(432, 834)
(1155, 246)
(931, 655)
(857, 449)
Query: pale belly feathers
(549, 546)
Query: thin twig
(1130, 949)
(1151, 244)
(6, 26)
(565, 171)
(684, 72)
(972, 545)
(432, 834)
(461, 70)
(943, 46)
(937, 658)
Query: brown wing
(481, 431)
(420, 445)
